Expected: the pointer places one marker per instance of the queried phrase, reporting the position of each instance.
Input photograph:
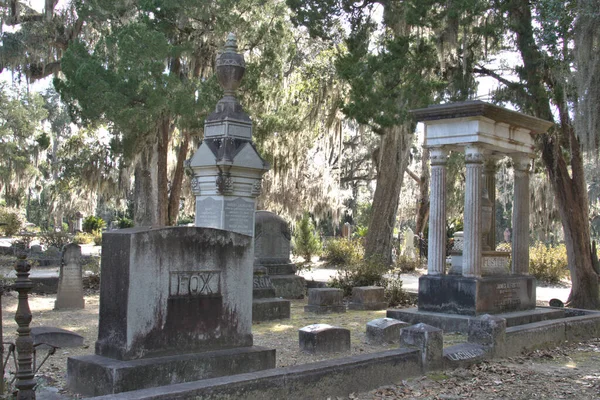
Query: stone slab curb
(337, 377)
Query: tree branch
(510, 84)
(415, 177)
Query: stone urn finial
(230, 67)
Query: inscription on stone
(262, 282)
(239, 216)
(194, 283)
(208, 212)
(507, 294)
(465, 355)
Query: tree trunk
(146, 188)
(164, 127)
(393, 160)
(570, 191)
(423, 206)
(175, 195)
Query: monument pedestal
(94, 375)
(266, 306)
(457, 294)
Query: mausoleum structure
(484, 283)
(227, 168)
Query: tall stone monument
(479, 281)
(227, 168)
(176, 302)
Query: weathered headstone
(325, 300)
(368, 298)
(175, 306)
(265, 305)
(323, 338)
(409, 244)
(272, 251)
(70, 281)
(347, 230)
(384, 330)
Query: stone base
(94, 375)
(270, 309)
(325, 309)
(454, 294)
(460, 323)
(289, 286)
(368, 306)
(281, 268)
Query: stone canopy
(485, 133)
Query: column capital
(438, 156)
(521, 162)
(474, 155)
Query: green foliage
(395, 295)
(83, 238)
(343, 251)
(124, 222)
(93, 224)
(363, 273)
(548, 263)
(98, 238)
(13, 219)
(55, 239)
(504, 246)
(361, 231)
(306, 241)
(406, 264)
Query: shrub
(83, 238)
(504, 246)
(306, 241)
(343, 251)
(395, 295)
(98, 238)
(363, 273)
(406, 263)
(93, 224)
(55, 239)
(548, 263)
(124, 223)
(11, 221)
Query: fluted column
(436, 253)
(24, 343)
(520, 216)
(472, 216)
(490, 167)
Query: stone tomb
(325, 300)
(70, 281)
(175, 306)
(368, 298)
(272, 249)
(323, 338)
(265, 305)
(384, 330)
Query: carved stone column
(472, 223)
(489, 176)
(24, 343)
(520, 216)
(436, 253)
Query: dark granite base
(368, 306)
(289, 286)
(460, 323)
(270, 309)
(325, 309)
(96, 375)
(454, 294)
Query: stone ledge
(336, 377)
(94, 375)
